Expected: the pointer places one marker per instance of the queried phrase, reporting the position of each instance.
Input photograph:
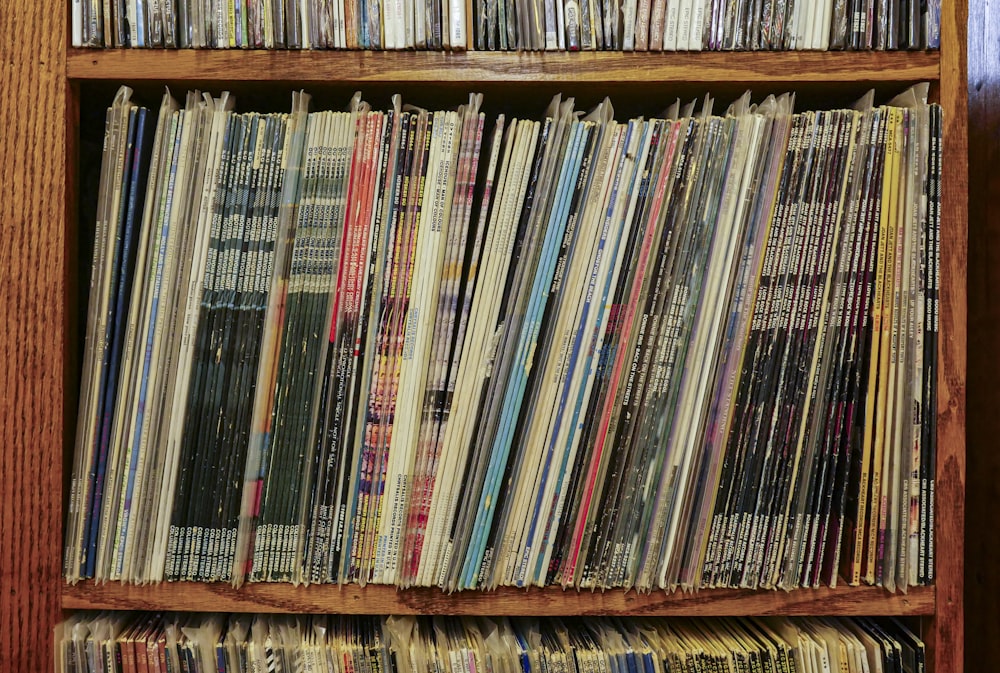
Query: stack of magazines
(270, 24)
(420, 348)
(696, 25)
(621, 25)
(109, 642)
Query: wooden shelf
(45, 253)
(347, 67)
(352, 599)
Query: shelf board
(552, 601)
(301, 67)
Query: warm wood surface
(946, 634)
(353, 599)
(982, 569)
(32, 284)
(472, 67)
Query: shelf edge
(552, 601)
(492, 67)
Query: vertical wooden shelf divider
(945, 630)
(34, 165)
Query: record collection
(531, 25)
(123, 642)
(428, 348)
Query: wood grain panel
(32, 288)
(352, 599)
(945, 634)
(473, 67)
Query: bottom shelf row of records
(116, 642)
(418, 348)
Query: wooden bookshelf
(46, 83)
